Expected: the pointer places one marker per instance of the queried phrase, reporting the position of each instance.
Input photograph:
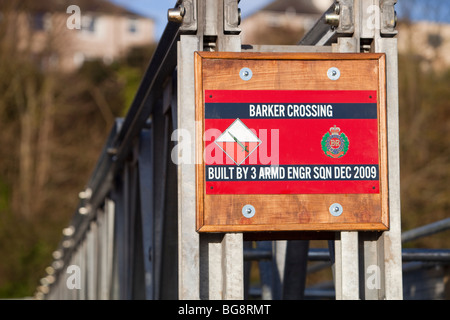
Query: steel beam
(210, 266)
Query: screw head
(246, 74)
(336, 210)
(334, 74)
(248, 211)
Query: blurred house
(62, 34)
(430, 41)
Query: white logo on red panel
(238, 142)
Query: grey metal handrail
(426, 230)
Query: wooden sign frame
(295, 72)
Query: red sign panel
(291, 142)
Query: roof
(299, 6)
(100, 6)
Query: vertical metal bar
(193, 276)
(210, 26)
(346, 266)
(278, 268)
(138, 270)
(382, 263)
(219, 268)
(266, 271)
(380, 268)
(365, 254)
(233, 266)
(146, 197)
(160, 154)
(135, 279)
(102, 288)
(247, 271)
(188, 239)
(109, 216)
(169, 280)
(371, 271)
(294, 279)
(91, 261)
(71, 294)
(82, 292)
(231, 263)
(120, 236)
(211, 279)
(391, 240)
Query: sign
(290, 142)
(304, 147)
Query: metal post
(346, 267)
(380, 274)
(188, 239)
(210, 266)
(392, 242)
(389, 243)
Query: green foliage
(324, 142)
(130, 78)
(346, 142)
(425, 147)
(130, 72)
(53, 128)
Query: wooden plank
(290, 212)
(305, 212)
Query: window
(41, 21)
(38, 21)
(88, 23)
(132, 25)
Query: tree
(54, 125)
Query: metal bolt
(50, 270)
(176, 14)
(336, 209)
(57, 264)
(57, 254)
(111, 151)
(337, 8)
(332, 19)
(67, 243)
(248, 211)
(246, 74)
(334, 74)
(83, 210)
(86, 194)
(69, 231)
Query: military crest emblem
(334, 143)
